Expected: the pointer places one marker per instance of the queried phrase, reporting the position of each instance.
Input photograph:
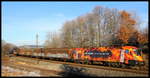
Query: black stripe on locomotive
(97, 54)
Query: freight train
(110, 56)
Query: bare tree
(53, 40)
(7, 48)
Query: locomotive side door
(122, 56)
(76, 55)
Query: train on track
(110, 56)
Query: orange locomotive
(128, 55)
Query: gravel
(9, 71)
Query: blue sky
(21, 21)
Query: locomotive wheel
(109, 64)
(82, 62)
(123, 66)
(74, 61)
(92, 62)
(64, 60)
(118, 65)
(89, 62)
(86, 61)
(78, 61)
(113, 64)
(105, 63)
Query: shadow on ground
(71, 71)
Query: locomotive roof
(128, 47)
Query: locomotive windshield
(138, 51)
(127, 51)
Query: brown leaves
(142, 39)
(124, 34)
(127, 26)
(128, 31)
(7, 47)
(124, 15)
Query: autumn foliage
(126, 26)
(128, 32)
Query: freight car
(116, 57)
(48, 53)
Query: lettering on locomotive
(97, 54)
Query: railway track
(25, 67)
(88, 66)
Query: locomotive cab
(133, 56)
(138, 57)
